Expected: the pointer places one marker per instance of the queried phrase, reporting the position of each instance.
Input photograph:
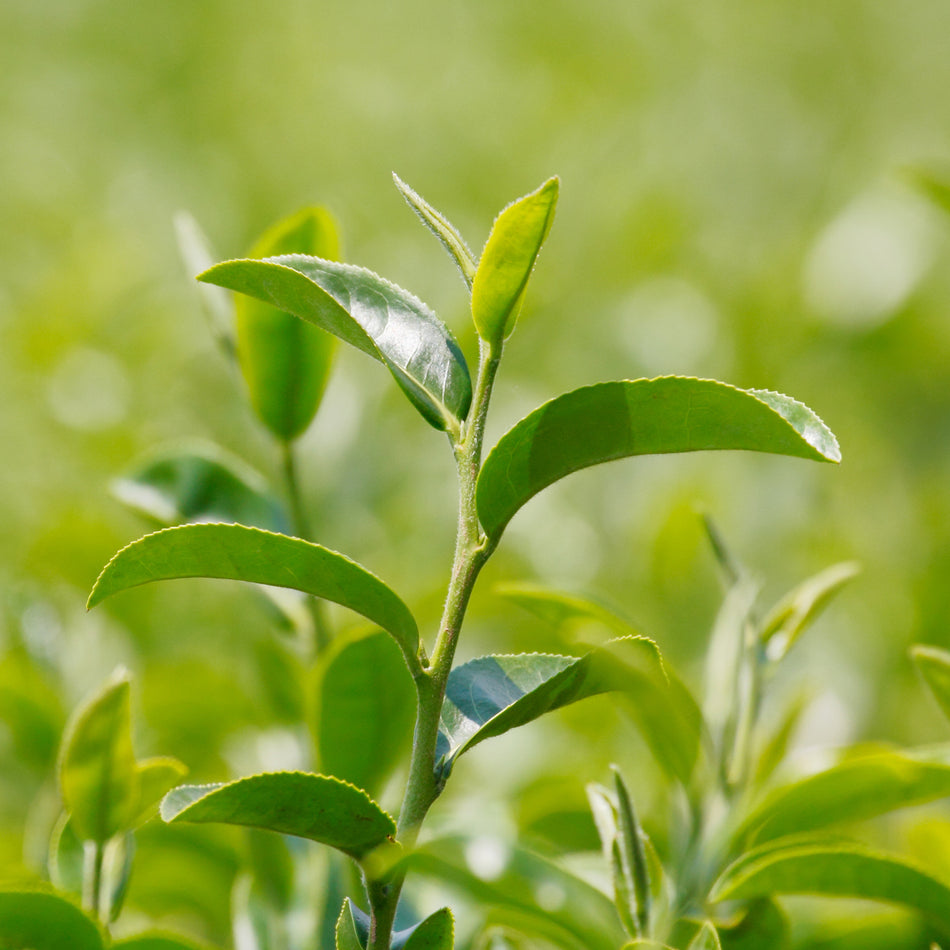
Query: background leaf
(364, 711)
(436, 932)
(159, 940)
(236, 552)
(370, 313)
(643, 417)
(559, 608)
(285, 361)
(934, 666)
(317, 807)
(41, 920)
(157, 776)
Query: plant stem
(472, 550)
(92, 876)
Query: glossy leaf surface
(934, 666)
(508, 259)
(368, 312)
(286, 362)
(41, 920)
(317, 807)
(364, 710)
(854, 790)
(442, 228)
(643, 417)
(800, 606)
(200, 483)
(835, 872)
(236, 552)
(98, 772)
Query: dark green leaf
(41, 920)
(98, 773)
(370, 313)
(286, 362)
(199, 482)
(365, 709)
(508, 259)
(854, 790)
(236, 552)
(934, 666)
(643, 417)
(835, 872)
(800, 606)
(442, 228)
(317, 807)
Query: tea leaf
(800, 606)
(368, 312)
(764, 925)
(558, 608)
(443, 229)
(199, 483)
(830, 871)
(236, 552)
(706, 939)
(286, 363)
(854, 790)
(508, 259)
(647, 416)
(317, 807)
(157, 777)
(352, 927)
(645, 945)
(98, 773)
(40, 920)
(933, 665)
(158, 940)
(65, 858)
(632, 853)
(436, 932)
(364, 711)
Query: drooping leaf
(159, 940)
(157, 777)
(352, 927)
(236, 552)
(368, 312)
(934, 666)
(558, 608)
(317, 807)
(286, 362)
(508, 259)
(707, 938)
(830, 871)
(442, 228)
(800, 606)
(854, 790)
(364, 710)
(32, 919)
(199, 482)
(98, 773)
(643, 417)
(508, 879)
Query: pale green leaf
(643, 417)
(33, 919)
(157, 777)
(236, 552)
(632, 853)
(436, 932)
(317, 807)
(352, 928)
(934, 666)
(199, 482)
(364, 709)
(159, 940)
(800, 606)
(559, 608)
(646, 945)
(65, 858)
(706, 939)
(508, 259)
(98, 773)
(368, 312)
(854, 790)
(442, 228)
(829, 871)
(286, 362)
(934, 184)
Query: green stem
(472, 550)
(93, 856)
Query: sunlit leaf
(706, 939)
(364, 710)
(370, 313)
(317, 807)
(558, 608)
(157, 777)
(647, 416)
(934, 666)
(98, 773)
(830, 871)
(442, 228)
(236, 552)
(508, 259)
(199, 482)
(800, 606)
(41, 920)
(159, 940)
(286, 362)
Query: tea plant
(292, 307)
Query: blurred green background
(734, 203)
